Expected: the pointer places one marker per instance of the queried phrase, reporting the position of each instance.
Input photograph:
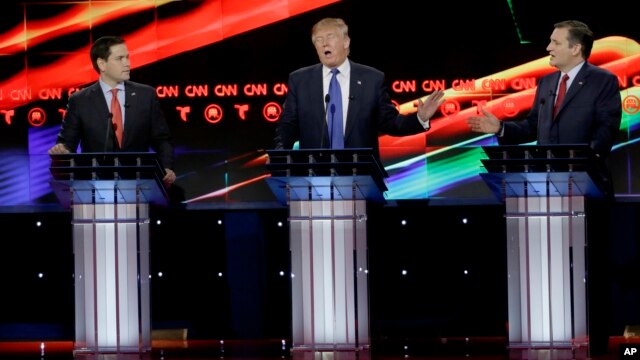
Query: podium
(544, 190)
(327, 191)
(109, 196)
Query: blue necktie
(335, 112)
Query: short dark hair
(579, 33)
(101, 49)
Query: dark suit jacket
(370, 111)
(590, 113)
(87, 122)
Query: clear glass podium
(544, 190)
(109, 196)
(327, 191)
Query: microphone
(327, 98)
(333, 114)
(126, 105)
(108, 130)
(351, 97)
(551, 95)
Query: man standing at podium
(338, 103)
(115, 114)
(578, 104)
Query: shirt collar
(574, 71)
(106, 88)
(344, 68)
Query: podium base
(328, 243)
(112, 292)
(547, 280)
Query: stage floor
(442, 348)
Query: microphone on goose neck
(333, 114)
(327, 98)
(108, 131)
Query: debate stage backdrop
(220, 70)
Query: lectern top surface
(104, 178)
(538, 151)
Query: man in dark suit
(590, 113)
(367, 110)
(88, 118)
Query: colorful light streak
(429, 164)
(420, 166)
(209, 22)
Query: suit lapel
(316, 93)
(355, 91)
(130, 102)
(98, 100)
(101, 119)
(576, 86)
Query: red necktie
(561, 92)
(117, 116)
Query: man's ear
(102, 64)
(577, 49)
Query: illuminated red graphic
(195, 91)
(226, 90)
(36, 117)
(449, 107)
(396, 104)
(506, 92)
(618, 54)
(271, 111)
(168, 91)
(213, 114)
(184, 110)
(255, 89)
(8, 114)
(242, 110)
(280, 89)
(631, 104)
(478, 105)
(510, 107)
(404, 86)
(76, 18)
(50, 94)
(207, 23)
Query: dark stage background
(220, 68)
